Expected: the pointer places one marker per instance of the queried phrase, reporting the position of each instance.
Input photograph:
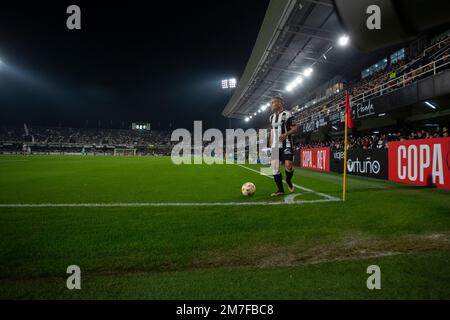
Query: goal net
(124, 152)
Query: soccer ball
(248, 189)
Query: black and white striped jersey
(281, 123)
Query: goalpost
(124, 152)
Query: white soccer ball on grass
(248, 189)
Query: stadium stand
(83, 140)
(377, 140)
(432, 60)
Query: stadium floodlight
(224, 84)
(229, 83)
(250, 117)
(307, 72)
(298, 80)
(289, 88)
(247, 119)
(344, 40)
(382, 114)
(254, 114)
(430, 105)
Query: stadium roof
(294, 35)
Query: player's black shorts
(283, 154)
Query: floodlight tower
(229, 85)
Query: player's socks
(289, 175)
(279, 182)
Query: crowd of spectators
(83, 141)
(412, 67)
(12, 134)
(376, 141)
(377, 79)
(68, 140)
(99, 137)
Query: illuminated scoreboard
(140, 126)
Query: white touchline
(331, 198)
(155, 204)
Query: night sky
(133, 61)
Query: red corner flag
(348, 124)
(348, 111)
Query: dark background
(133, 61)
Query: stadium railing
(427, 70)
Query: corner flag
(348, 124)
(348, 111)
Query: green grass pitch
(185, 232)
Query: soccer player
(281, 134)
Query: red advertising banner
(423, 162)
(316, 159)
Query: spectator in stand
(376, 141)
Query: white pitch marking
(287, 201)
(330, 198)
(154, 204)
(291, 197)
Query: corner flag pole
(347, 123)
(344, 179)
